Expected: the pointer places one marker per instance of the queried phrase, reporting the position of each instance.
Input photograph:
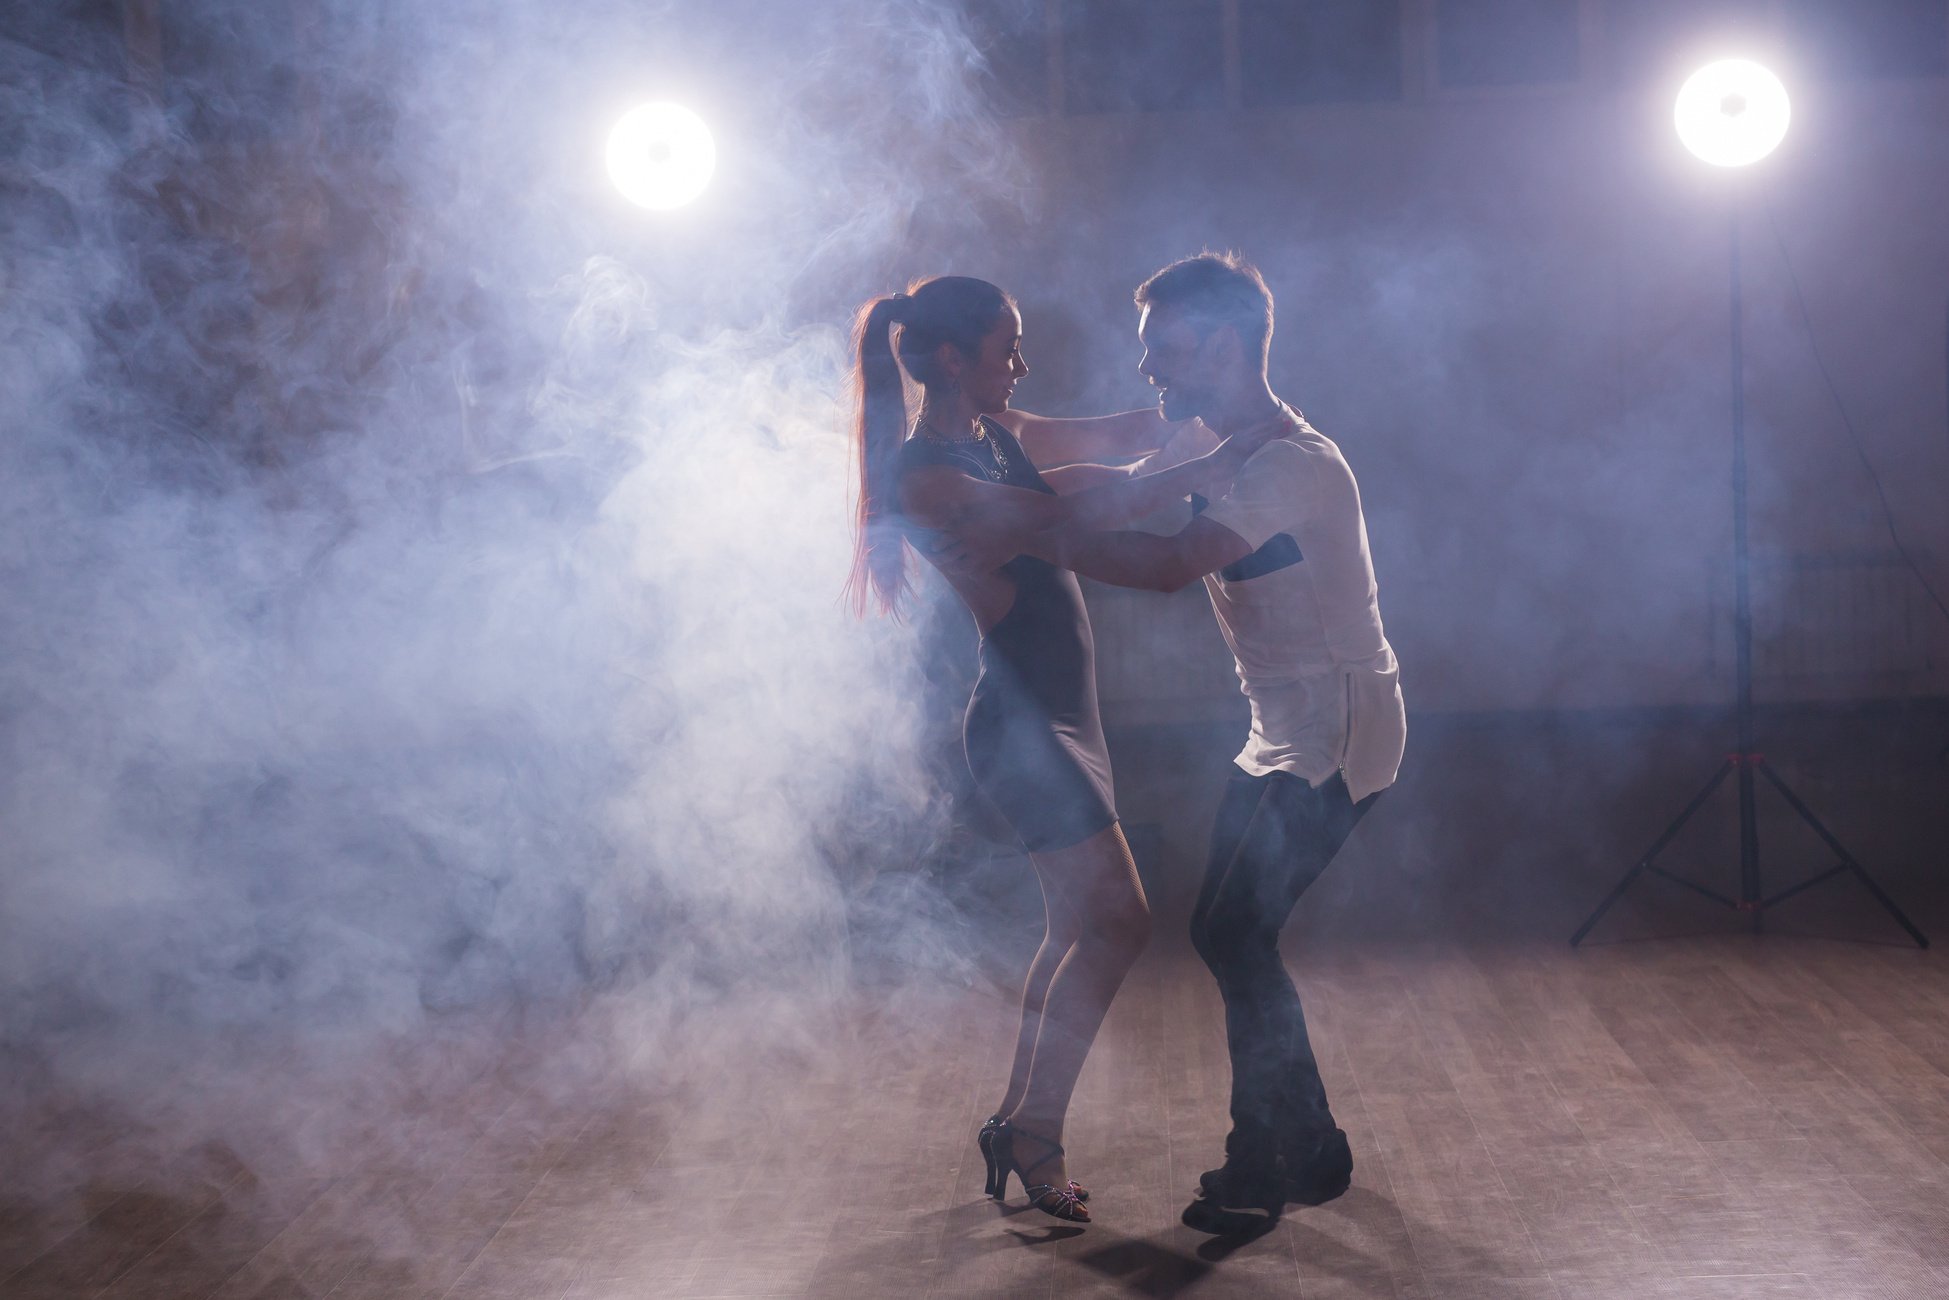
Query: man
(1284, 557)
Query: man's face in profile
(1176, 362)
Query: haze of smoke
(421, 580)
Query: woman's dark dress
(1033, 735)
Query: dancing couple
(1010, 507)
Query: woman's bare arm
(1052, 441)
(1118, 503)
(991, 522)
(1071, 479)
(1191, 439)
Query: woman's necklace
(998, 471)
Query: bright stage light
(1732, 113)
(661, 155)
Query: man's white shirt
(1313, 660)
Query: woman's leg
(1096, 883)
(1061, 928)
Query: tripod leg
(1638, 868)
(1749, 845)
(1616, 893)
(1847, 859)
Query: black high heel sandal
(1056, 1202)
(997, 1185)
(997, 1176)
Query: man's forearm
(1130, 498)
(1122, 559)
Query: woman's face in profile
(990, 380)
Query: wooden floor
(1717, 1117)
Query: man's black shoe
(1249, 1161)
(1206, 1215)
(1242, 1186)
(1243, 1197)
(1319, 1170)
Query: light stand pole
(1742, 619)
(1731, 114)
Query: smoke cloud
(421, 568)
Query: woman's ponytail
(947, 310)
(879, 549)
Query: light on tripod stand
(1730, 114)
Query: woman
(966, 468)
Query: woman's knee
(1118, 914)
(1094, 887)
(1061, 931)
(1125, 919)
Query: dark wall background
(1504, 288)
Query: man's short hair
(1214, 289)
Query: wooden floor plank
(1460, 1216)
(1689, 1119)
(209, 1250)
(168, 1194)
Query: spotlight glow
(1732, 113)
(661, 155)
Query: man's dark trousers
(1273, 837)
